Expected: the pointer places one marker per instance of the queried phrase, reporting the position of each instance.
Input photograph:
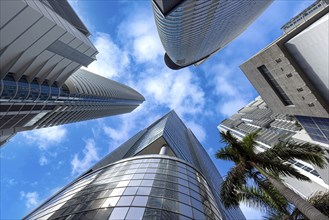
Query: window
(289, 75)
(135, 213)
(274, 85)
(125, 201)
(119, 213)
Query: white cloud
(118, 134)
(43, 160)
(32, 198)
(111, 60)
(223, 75)
(46, 137)
(140, 33)
(230, 87)
(179, 91)
(126, 125)
(230, 107)
(90, 155)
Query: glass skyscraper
(192, 30)
(162, 172)
(43, 45)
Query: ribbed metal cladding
(38, 43)
(196, 29)
(43, 44)
(88, 83)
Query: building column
(164, 150)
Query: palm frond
(281, 168)
(249, 142)
(228, 153)
(303, 151)
(255, 197)
(231, 141)
(279, 200)
(235, 179)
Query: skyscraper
(273, 128)
(191, 31)
(161, 172)
(42, 46)
(292, 75)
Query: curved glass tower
(192, 30)
(162, 172)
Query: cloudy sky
(36, 164)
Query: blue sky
(36, 164)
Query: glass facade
(316, 128)
(274, 85)
(143, 187)
(191, 31)
(135, 181)
(83, 96)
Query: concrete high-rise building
(191, 31)
(162, 172)
(274, 128)
(42, 46)
(292, 73)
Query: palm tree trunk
(301, 204)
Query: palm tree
(319, 200)
(271, 164)
(270, 201)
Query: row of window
(181, 198)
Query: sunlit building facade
(191, 31)
(292, 75)
(162, 172)
(43, 44)
(273, 128)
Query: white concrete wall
(310, 48)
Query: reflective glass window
(144, 191)
(110, 202)
(103, 213)
(154, 202)
(184, 198)
(134, 182)
(185, 210)
(130, 191)
(125, 201)
(123, 183)
(147, 183)
(119, 213)
(135, 213)
(117, 191)
(140, 201)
